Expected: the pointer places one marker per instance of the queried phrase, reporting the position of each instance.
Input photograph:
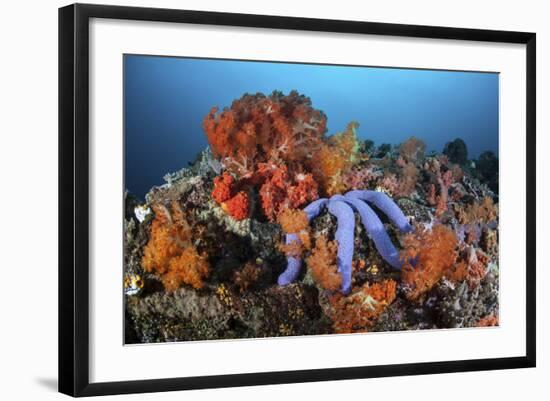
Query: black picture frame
(74, 201)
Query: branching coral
(433, 252)
(169, 252)
(358, 311)
(342, 207)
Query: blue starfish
(342, 207)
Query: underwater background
(167, 98)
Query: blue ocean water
(166, 99)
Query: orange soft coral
(335, 158)
(293, 221)
(434, 253)
(169, 253)
(187, 268)
(358, 311)
(487, 321)
(322, 264)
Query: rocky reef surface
(204, 252)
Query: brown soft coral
(442, 178)
(322, 264)
(433, 252)
(358, 311)
(246, 277)
(484, 211)
(408, 177)
(412, 150)
(169, 253)
(471, 267)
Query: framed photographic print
(250, 199)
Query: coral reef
(216, 252)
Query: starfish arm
(385, 204)
(294, 264)
(376, 230)
(314, 208)
(345, 238)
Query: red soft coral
(238, 206)
(279, 192)
(223, 187)
(258, 128)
